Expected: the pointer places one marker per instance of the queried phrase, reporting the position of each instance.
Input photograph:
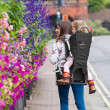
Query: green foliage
(15, 12)
(95, 5)
(107, 3)
(4, 6)
(97, 28)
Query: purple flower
(27, 40)
(2, 31)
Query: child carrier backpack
(79, 48)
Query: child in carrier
(66, 74)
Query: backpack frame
(79, 46)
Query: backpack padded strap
(83, 26)
(66, 40)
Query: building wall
(75, 11)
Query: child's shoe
(65, 79)
(91, 87)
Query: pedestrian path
(45, 94)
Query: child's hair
(77, 23)
(65, 28)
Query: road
(99, 59)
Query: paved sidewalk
(45, 94)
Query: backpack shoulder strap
(68, 44)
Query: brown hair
(77, 23)
(65, 28)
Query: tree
(96, 5)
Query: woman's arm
(55, 54)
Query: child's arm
(55, 54)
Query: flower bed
(23, 42)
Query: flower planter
(19, 105)
(28, 91)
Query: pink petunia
(15, 79)
(2, 104)
(14, 102)
(1, 85)
(6, 36)
(6, 59)
(35, 78)
(21, 92)
(0, 93)
(5, 15)
(23, 30)
(0, 66)
(23, 67)
(5, 45)
(3, 76)
(90, 28)
(4, 23)
(23, 43)
(10, 28)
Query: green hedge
(96, 5)
(97, 28)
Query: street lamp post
(54, 2)
(58, 11)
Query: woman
(58, 57)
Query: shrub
(97, 28)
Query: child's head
(76, 24)
(63, 28)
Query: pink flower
(6, 36)
(5, 15)
(4, 23)
(90, 28)
(1, 85)
(10, 28)
(35, 78)
(36, 39)
(23, 67)
(2, 104)
(21, 92)
(16, 89)
(23, 43)
(5, 45)
(17, 45)
(14, 102)
(3, 77)
(18, 96)
(0, 93)
(13, 95)
(15, 79)
(23, 30)
(0, 66)
(13, 59)
(6, 58)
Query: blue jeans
(78, 92)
